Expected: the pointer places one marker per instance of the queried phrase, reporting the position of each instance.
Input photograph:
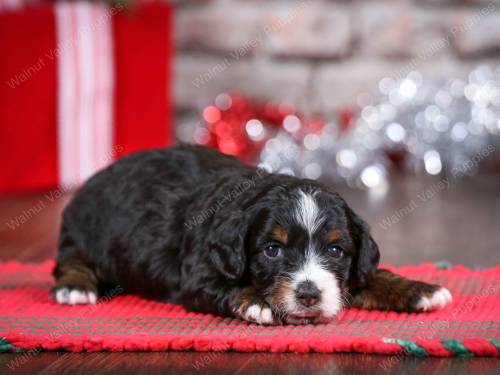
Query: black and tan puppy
(191, 226)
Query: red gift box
(81, 84)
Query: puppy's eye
(272, 251)
(335, 251)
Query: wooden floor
(414, 221)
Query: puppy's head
(302, 248)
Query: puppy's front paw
(436, 299)
(389, 291)
(257, 313)
(248, 305)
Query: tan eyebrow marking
(280, 234)
(333, 235)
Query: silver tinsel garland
(440, 128)
(436, 128)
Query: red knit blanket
(31, 320)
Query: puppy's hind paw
(434, 300)
(68, 296)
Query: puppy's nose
(307, 293)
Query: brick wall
(320, 55)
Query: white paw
(65, 296)
(258, 314)
(437, 300)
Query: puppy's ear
(366, 261)
(226, 243)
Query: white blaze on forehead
(312, 270)
(308, 213)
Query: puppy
(191, 226)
